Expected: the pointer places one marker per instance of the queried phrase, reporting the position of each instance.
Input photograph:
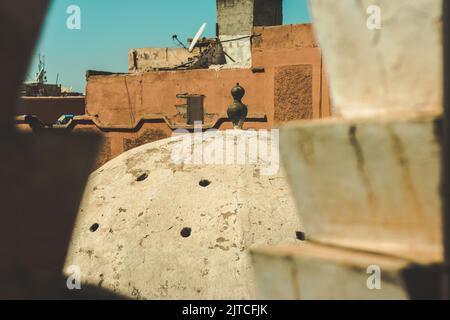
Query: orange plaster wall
(123, 99)
(120, 101)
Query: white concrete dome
(149, 228)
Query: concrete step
(319, 272)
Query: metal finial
(237, 112)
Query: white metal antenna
(197, 37)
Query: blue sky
(110, 27)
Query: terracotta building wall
(295, 72)
(127, 99)
(49, 109)
(280, 68)
(286, 82)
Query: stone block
(371, 185)
(316, 272)
(383, 70)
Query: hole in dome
(186, 232)
(94, 227)
(142, 177)
(204, 183)
(301, 236)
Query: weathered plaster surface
(138, 250)
(148, 59)
(367, 186)
(377, 71)
(316, 272)
(236, 17)
(371, 185)
(293, 93)
(240, 51)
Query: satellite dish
(197, 36)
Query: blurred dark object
(42, 177)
